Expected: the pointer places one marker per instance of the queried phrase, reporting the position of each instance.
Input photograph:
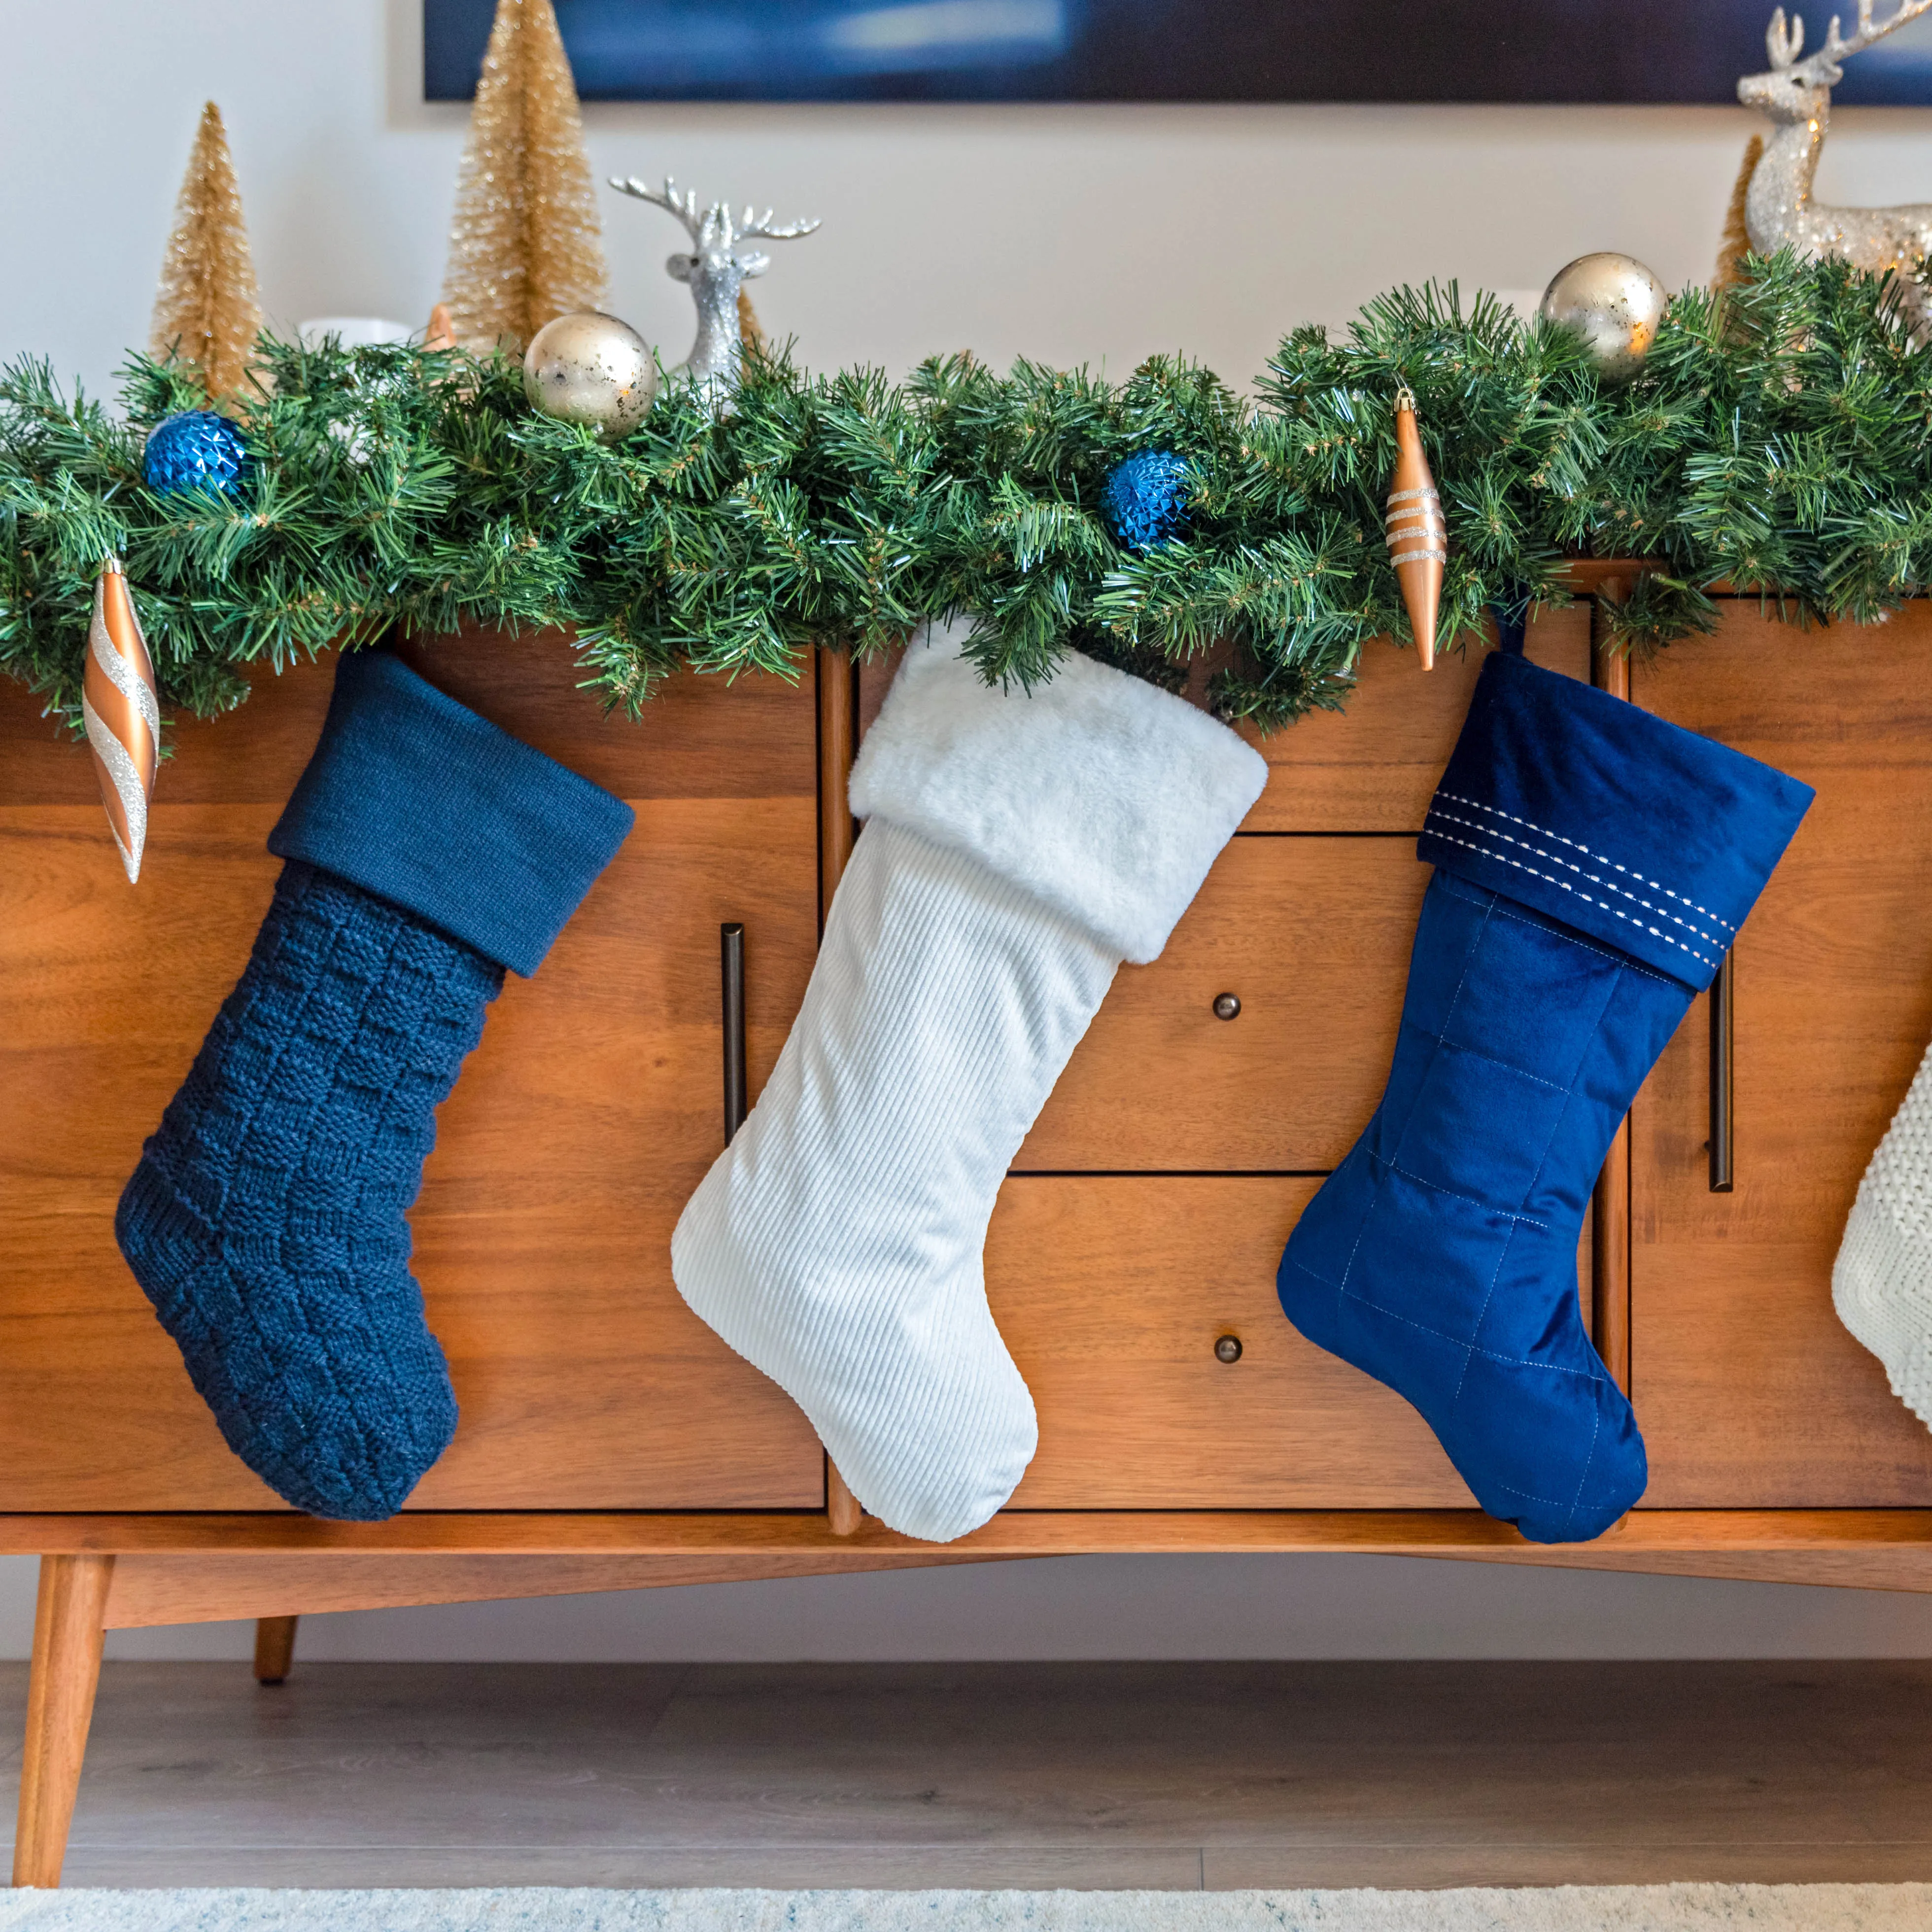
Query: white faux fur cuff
(1098, 794)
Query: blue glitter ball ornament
(1145, 500)
(194, 449)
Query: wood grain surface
(1749, 1390)
(148, 1590)
(67, 1627)
(1374, 766)
(1111, 1294)
(697, 737)
(576, 1133)
(1313, 935)
(1873, 1534)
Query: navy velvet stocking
(1441, 1256)
(1593, 865)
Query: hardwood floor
(1087, 1775)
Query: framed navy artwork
(1446, 50)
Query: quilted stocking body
(1508, 1017)
(1593, 864)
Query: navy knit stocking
(265, 1220)
(426, 852)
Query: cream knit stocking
(1882, 1283)
(1016, 850)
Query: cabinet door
(1749, 1390)
(578, 1128)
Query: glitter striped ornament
(1417, 536)
(122, 713)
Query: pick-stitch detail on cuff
(1544, 831)
(1436, 812)
(1582, 806)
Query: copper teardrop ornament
(1417, 537)
(122, 713)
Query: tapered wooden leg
(274, 1648)
(69, 1622)
(841, 1506)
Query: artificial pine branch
(1779, 438)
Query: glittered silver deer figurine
(1778, 207)
(716, 270)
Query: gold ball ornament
(1615, 304)
(591, 368)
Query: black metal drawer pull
(731, 962)
(1723, 1006)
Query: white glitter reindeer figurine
(1778, 207)
(716, 270)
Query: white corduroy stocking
(1881, 1285)
(1016, 850)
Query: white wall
(1091, 233)
(1094, 233)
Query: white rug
(1662, 1908)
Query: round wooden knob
(1228, 1348)
(1226, 1006)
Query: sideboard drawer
(1111, 1294)
(1312, 935)
(579, 1127)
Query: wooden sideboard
(608, 1440)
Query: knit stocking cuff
(413, 797)
(1102, 796)
(1611, 820)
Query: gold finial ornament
(1417, 536)
(525, 246)
(206, 309)
(122, 714)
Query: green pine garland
(1777, 440)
